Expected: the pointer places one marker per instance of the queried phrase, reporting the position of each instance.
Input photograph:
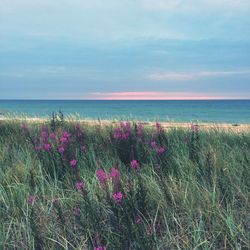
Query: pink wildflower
(66, 135)
(63, 139)
(73, 163)
(159, 127)
(134, 164)
(101, 175)
(194, 128)
(80, 185)
(123, 132)
(161, 150)
(114, 173)
(47, 146)
(124, 136)
(118, 197)
(31, 199)
(52, 136)
(44, 138)
(153, 144)
(61, 149)
(44, 133)
(78, 130)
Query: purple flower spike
(63, 139)
(73, 163)
(134, 164)
(114, 173)
(101, 175)
(47, 146)
(52, 136)
(118, 197)
(61, 149)
(66, 135)
(153, 144)
(80, 185)
(159, 127)
(123, 131)
(161, 150)
(124, 136)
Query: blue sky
(137, 49)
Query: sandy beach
(165, 125)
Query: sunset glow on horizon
(155, 96)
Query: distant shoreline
(166, 125)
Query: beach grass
(72, 185)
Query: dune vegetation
(66, 185)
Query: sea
(214, 111)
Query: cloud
(54, 72)
(154, 96)
(170, 76)
(122, 21)
(196, 5)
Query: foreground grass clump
(73, 186)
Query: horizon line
(209, 99)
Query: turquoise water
(230, 111)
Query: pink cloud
(154, 96)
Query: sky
(129, 49)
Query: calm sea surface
(231, 111)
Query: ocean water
(217, 111)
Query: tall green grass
(194, 195)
